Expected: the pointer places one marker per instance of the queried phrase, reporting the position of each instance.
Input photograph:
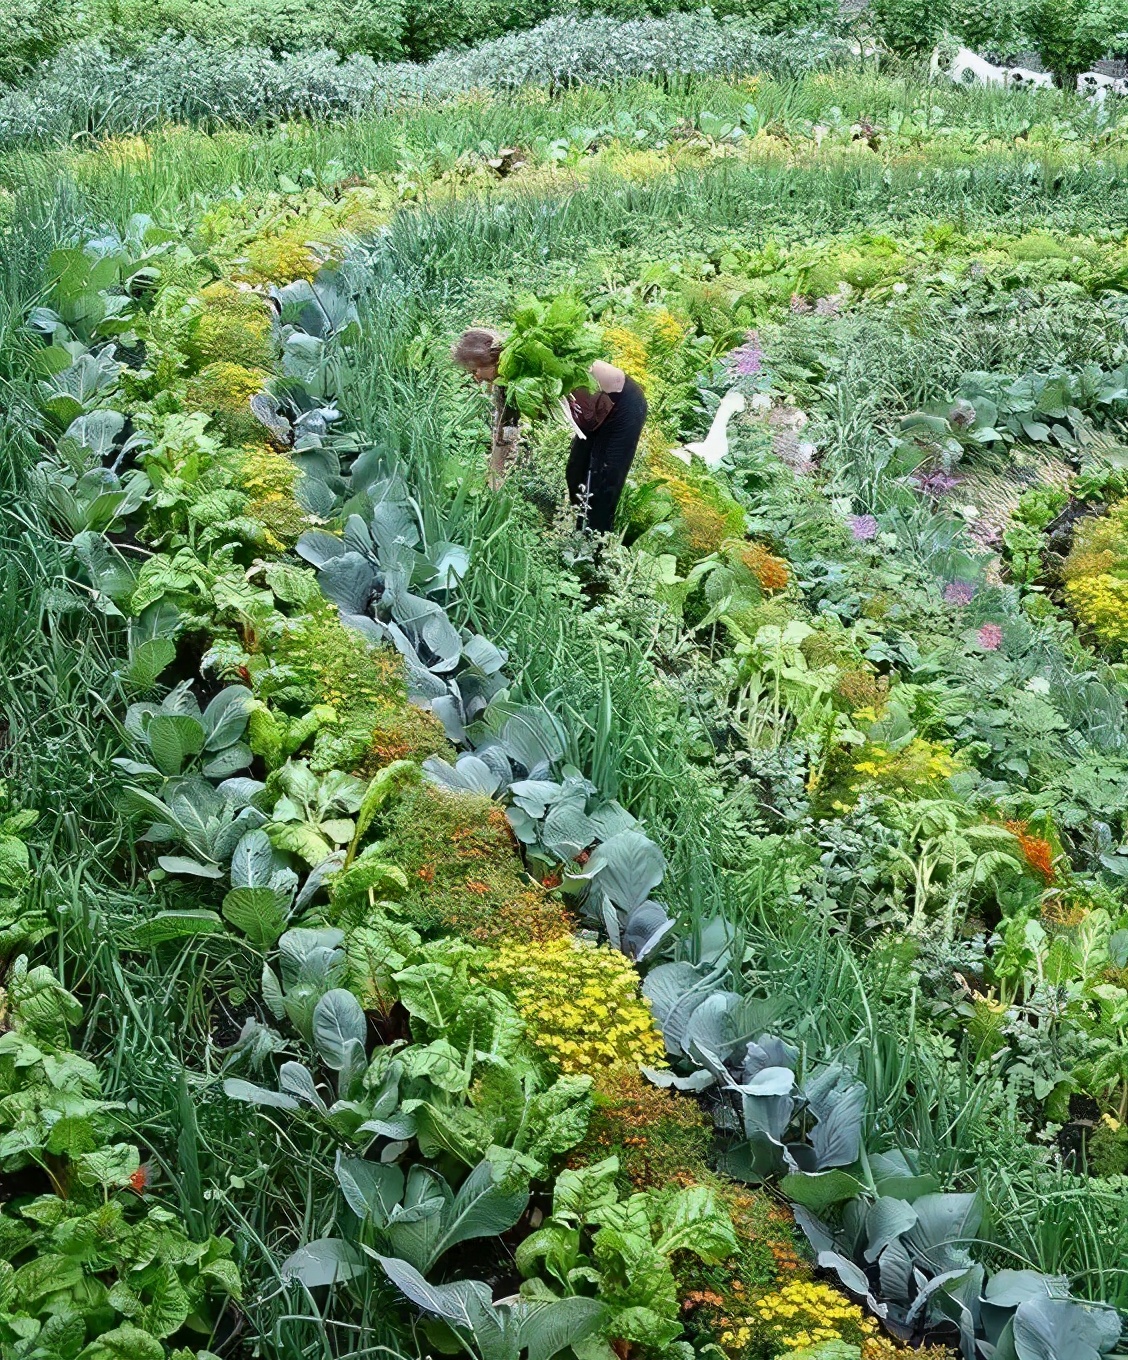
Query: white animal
(1029, 80)
(715, 444)
(1092, 81)
(968, 65)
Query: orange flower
(1036, 850)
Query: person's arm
(505, 434)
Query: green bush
(990, 26)
(910, 28)
(33, 30)
(279, 25)
(776, 16)
(1072, 34)
(431, 26)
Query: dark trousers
(598, 465)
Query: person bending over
(606, 425)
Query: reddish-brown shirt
(590, 409)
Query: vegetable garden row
(428, 932)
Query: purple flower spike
(959, 592)
(990, 637)
(863, 527)
(748, 359)
(936, 484)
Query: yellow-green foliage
(268, 477)
(915, 770)
(365, 686)
(660, 1138)
(581, 1004)
(224, 391)
(279, 259)
(234, 327)
(1096, 576)
(463, 872)
(702, 515)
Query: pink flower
(863, 527)
(748, 360)
(799, 306)
(959, 592)
(936, 483)
(990, 637)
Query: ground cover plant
(434, 935)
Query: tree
(1071, 35)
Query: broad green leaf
(225, 718)
(1064, 1329)
(886, 1220)
(371, 1189)
(14, 862)
(329, 1260)
(299, 838)
(258, 913)
(551, 1325)
(172, 738)
(338, 1021)
(237, 1089)
(695, 1220)
(43, 1275)
(124, 1343)
(168, 1305)
(109, 1167)
(819, 1190)
(147, 660)
(581, 1190)
(481, 1208)
(175, 925)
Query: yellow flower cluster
(581, 1003)
(1096, 575)
(668, 330)
(224, 390)
(801, 1314)
(915, 768)
(268, 477)
(279, 259)
(235, 327)
(1102, 603)
(628, 352)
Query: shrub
(268, 479)
(778, 16)
(458, 853)
(234, 327)
(993, 26)
(224, 390)
(659, 1138)
(33, 31)
(181, 79)
(910, 28)
(276, 25)
(1096, 576)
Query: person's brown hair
(475, 348)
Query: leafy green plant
(548, 353)
(625, 1262)
(175, 732)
